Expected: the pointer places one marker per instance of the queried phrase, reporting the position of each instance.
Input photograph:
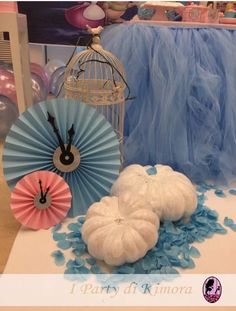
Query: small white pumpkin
(117, 238)
(168, 193)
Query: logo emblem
(212, 289)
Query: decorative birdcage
(96, 77)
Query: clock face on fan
(69, 138)
(66, 157)
(73, 160)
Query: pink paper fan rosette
(41, 200)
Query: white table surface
(31, 252)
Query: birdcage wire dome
(96, 77)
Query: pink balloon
(75, 17)
(7, 85)
(39, 70)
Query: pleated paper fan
(41, 200)
(69, 138)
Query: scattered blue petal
(81, 220)
(79, 262)
(125, 269)
(56, 228)
(95, 269)
(59, 236)
(172, 250)
(91, 261)
(63, 244)
(171, 270)
(213, 214)
(80, 250)
(79, 245)
(232, 191)
(59, 258)
(230, 223)
(233, 227)
(191, 264)
(201, 188)
(194, 252)
(74, 235)
(204, 187)
(74, 227)
(220, 193)
(84, 270)
(152, 170)
(201, 199)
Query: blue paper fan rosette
(69, 138)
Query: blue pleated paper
(31, 143)
(184, 112)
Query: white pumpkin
(168, 193)
(117, 238)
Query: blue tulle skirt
(184, 113)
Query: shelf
(16, 25)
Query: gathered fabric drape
(184, 83)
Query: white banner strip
(117, 290)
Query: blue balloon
(57, 80)
(8, 115)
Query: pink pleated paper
(23, 200)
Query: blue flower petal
(84, 270)
(151, 171)
(171, 270)
(63, 244)
(80, 250)
(79, 262)
(172, 250)
(79, 245)
(191, 264)
(59, 236)
(70, 263)
(194, 252)
(56, 228)
(81, 220)
(232, 191)
(74, 235)
(125, 269)
(220, 193)
(201, 199)
(95, 269)
(91, 261)
(228, 222)
(74, 227)
(233, 227)
(59, 257)
(147, 263)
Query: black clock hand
(41, 189)
(43, 196)
(71, 133)
(51, 120)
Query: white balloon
(53, 65)
(94, 13)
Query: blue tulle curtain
(184, 113)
